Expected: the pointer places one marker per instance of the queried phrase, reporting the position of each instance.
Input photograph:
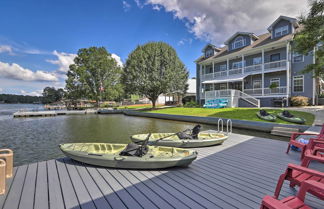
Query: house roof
(293, 21)
(240, 33)
(210, 45)
(263, 40)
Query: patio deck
(235, 175)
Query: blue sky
(39, 38)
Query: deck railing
(247, 70)
(282, 90)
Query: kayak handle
(119, 158)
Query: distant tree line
(12, 98)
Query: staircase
(233, 97)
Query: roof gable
(241, 33)
(212, 46)
(293, 21)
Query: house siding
(279, 24)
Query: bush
(299, 101)
(191, 104)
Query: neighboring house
(252, 70)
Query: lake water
(37, 139)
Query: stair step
(283, 131)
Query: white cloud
(216, 20)
(184, 41)
(126, 6)
(64, 60)
(139, 3)
(33, 93)
(5, 48)
(15, 71)
(118, 59)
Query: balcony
(267, 91)
(248, 70)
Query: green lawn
(138, 106)
(233, 113)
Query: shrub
(191, 104)
(299, 101)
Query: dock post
(2, 177)
(7, 155)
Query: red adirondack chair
(314, 154)
(297, 174)
(300, 145)
(293, 202)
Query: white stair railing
(250, 99)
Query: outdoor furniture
(315, 154)
(298, 201)
(7, 156)
(2, 177)
(278, 102)
(297, 174)
(301, 145)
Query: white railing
(269, 66)
(253, 68)
(281, 64)
(233, 95)
(235, 71)
(267, 91)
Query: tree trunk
(153, 103)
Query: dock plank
(27, 196)
(8, 186)
(54, 192)
(41, 193)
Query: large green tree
(153, 69)
(95, 75)
(50, 95)
(312, 37)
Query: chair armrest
(273, 203)
(310, 185)
(305, 170)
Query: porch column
(213, 68)
(314, 79)
(243, 64)
(200, 84)
(227, 65)
(262, 80)
(243, 85)
(288, 71)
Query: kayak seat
(135, 150)
(263, 113)
(287, 114)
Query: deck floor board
(236, 174)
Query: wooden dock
(52, 113)
(236, 174)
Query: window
(222, 67)
(275, 81)
(257, 84)
(298, 83)
(209, 53)
(281, 31)
(223, 86)
(274, 57)
(237, 65)
(298, 57)
(238, 42)
(257, 60)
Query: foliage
(153, 69)
(312, 36)
(233, 113)
(94, 75)
(273, 86)
(299, 101)
(12, 98)
(50, 95)
(191, 104)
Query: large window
(222, 67)
(275, 57)
(223, 86)
(257, 84)
(238, 42)
(298, 57)
(281, 31)
(209, 53)
(237, 65)
(275, 81)
(298, 83)
(257, 60)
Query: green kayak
(108, 155)
(204, 139)
(268, 117)
(293, 119)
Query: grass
(233, 113)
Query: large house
(256, 70)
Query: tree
(95, 75)
(311, 37)
(50, 94)
(153, 69)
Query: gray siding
(246, 38)
(281, 51)
(296, 69)
(282, 23)
(217, 66)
